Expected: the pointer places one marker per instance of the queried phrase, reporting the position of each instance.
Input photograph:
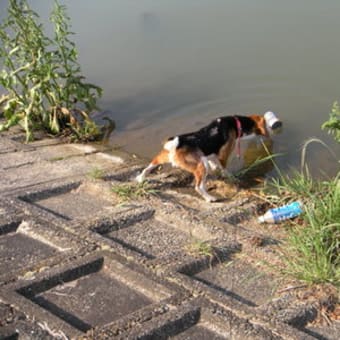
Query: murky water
(171, 66)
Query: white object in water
(272, 122)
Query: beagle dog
(207, 149)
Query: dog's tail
(171, 144)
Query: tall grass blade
(304, 150)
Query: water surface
(171, 66)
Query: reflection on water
(172, 66)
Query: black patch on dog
(212, 137)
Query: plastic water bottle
(282, 213)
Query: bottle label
(286, 211)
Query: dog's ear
(260, 125)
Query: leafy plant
(42, 77)
(333, 123)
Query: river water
(171, 66)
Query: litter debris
(273, 123)
(281, 213)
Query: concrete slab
(7, 145)
(79, 200)
(19, 251)
(57, 214)
(54, 153)
(199, 319)
(27, 330)
(29, 245)
(15, 325)
(330, 332)
(19, 172)
(9, 212)
(97, 309)
(240, 280)
(152, 238)
(107, 288)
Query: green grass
(258, 163)
(201, 248)
(131, 191)
(312, 248)
(296, 186)
(96, 173)
(56, 159)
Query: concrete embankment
(77, 261)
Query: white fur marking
(172, 154)
(171, 144)
(205, 162)
(202, 191)
(214, 162)
(213, 166)
(141, 177)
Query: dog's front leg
(224, 154)
(215, 165)
(141, 177)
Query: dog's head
(260, 127)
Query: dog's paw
(210, 199)
(140, 178)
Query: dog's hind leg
(194, 162)
(200, 174)
(161, 158)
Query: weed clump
(44, 86)
(201, 248)
(131, 191)
(333, 123)
(312, 249)
(96, 173)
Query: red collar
(239, 134)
